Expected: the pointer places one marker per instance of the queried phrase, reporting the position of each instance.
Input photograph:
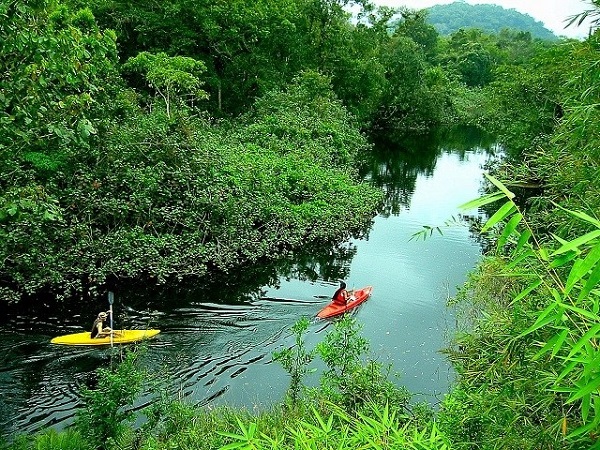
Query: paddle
(111, 299)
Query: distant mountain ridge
(490, 18)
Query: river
(217, 338)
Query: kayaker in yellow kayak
(100, 328)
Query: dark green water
(218, 337)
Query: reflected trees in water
(397, 161)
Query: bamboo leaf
(586, 390)
(482, 201)
(583, 312)
(523, 239)
(591, 333)
(593, 297)
(586, 403)
(509, 229)
(242, 427)
(562, 336)
(502, 213)
(559, 239)
(576, 243)
(582, 430)
(546, 347)
(555, 343)
(564, 390)
(586, 217)
(591, 282)
(500, 186)
(562, 260)
(527, 290)
(566, 371)
(592, 258)
(518, 259)
(557, 296)
(581, 215)
(543, 319)
(575, 275)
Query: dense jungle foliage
(158, 142)
(527, 349)
(165, 141)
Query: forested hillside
(490, 18)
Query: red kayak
(357, 297)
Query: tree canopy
(133, 130)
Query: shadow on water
(243, 286)
(218, 333)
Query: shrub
(106, 414)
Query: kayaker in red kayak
(341, 296)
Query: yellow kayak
(119, 337)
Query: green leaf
(592, 258)
(585, 429)
(574, 275)
(500, 186)
(482, 201)
(562, 336)
(527, 290)
(566, 371)
(557, 296)
(518, 259)
(581, 215)
(591, 282)
(591, 333)
(523, 239)
(559, 239)
(585, 390)
(576, 243)
(562, 260)
(505, 210)
(585, 407)
(509, 229)
(544, 319)
(555, 343)
(581, 312)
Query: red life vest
(340, 296)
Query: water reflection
(397, 162)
